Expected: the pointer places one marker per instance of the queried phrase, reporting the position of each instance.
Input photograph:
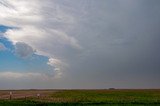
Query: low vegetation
(90, 97)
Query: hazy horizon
(79, 44)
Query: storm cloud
(23, 50)
(89, 43)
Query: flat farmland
(117, 97)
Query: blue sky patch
(5, 28)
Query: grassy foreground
(91, 98)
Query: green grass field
(90, 98)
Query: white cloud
(21, 75)
(17, 13)
(58, 66)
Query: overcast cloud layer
(88, 43)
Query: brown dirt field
(20, 94)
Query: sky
(79, 44)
